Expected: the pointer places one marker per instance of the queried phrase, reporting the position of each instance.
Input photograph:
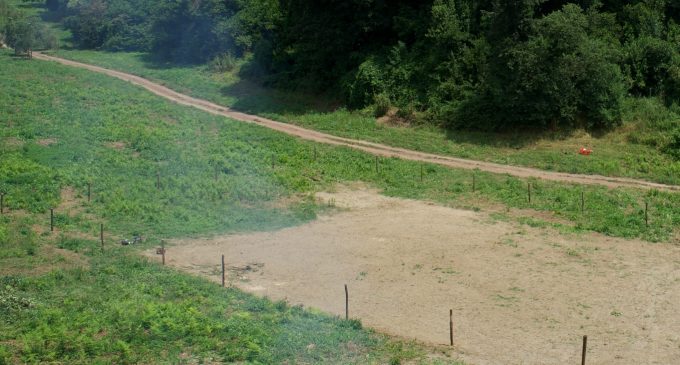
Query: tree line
(480, 64)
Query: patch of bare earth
(116, 145)
(69, 201)
(519, 295)
(392, 119)
(13, 142)
(47, 141)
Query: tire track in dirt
(365, 146)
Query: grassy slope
(217, 174)
(614, 154)
(62, 127)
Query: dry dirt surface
(369, 147)
(519, 295)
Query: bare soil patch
(13, 142)
(519, 295)
(46, 141)
(116, 145)
(392, 119)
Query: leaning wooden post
(51, 219)
(583, 202)
(583, 352)
(223, 271)
(89, 191)
(529, 191)
(163, 252)
(346, 303)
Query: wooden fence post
(646, 214)
(51, 219)
(223, 271)
(346, 303)
(583, 352)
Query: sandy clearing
(519, 295)
(369, 147)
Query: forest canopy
(479, 64)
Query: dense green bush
(477, 64)
(22, 32)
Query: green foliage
(474, 64)
(223, 63)
(22, 32)
(382, 105)
(656, 125)
(559, 76)
(27, 184)
(368, 82)
(12, 303)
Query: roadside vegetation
(648, 124)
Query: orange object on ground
(584, 151)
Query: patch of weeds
(508, 242)
(573, 252)
(499, 217)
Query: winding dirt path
(369, 147)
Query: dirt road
(369, 147)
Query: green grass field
(219, 175)
(615, 153)
(64, 128)
(62, 300)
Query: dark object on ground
(135, 239)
